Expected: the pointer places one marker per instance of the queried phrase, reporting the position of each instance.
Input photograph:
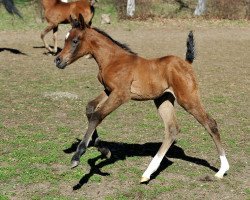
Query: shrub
(157, 8)
(143, 9)
(228, 9)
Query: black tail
(11, 8)
(190, 55)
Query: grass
(9, 22)
(143, 192)
(35, 129)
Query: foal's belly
(146, 91)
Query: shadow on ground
(14, 51)
(120, 151)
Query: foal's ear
(74, 23)
(82, 22)
(71, 21)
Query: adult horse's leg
(114, 100)
(192, 104)
(92, 106)
(46, 30)
(165, 106)
(55, 30)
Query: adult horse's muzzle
(60, 63)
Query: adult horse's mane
(123, 46)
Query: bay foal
(57, 12)
(126, 76)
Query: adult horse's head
(75, 45)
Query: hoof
(74, 163)
(144, 180)
(108, 154)
(105, 152)
(218, 175)
(48, 53)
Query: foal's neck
(103, 49)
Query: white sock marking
(224, 167)
(153, 166)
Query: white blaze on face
(67, 35)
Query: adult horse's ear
(82, 22)
(92, 2)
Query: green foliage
(3, 197)
(247, 190)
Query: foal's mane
(123, 46)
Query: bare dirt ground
(223, 70)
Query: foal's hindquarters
(185, 90)
(166, 110)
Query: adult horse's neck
(103, 48)
(48, 3)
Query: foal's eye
(75, 41)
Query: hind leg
(166, 111)
(193, 106)
(46, 30)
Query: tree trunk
(200, 8)
(130, 7)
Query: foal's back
(152, 77)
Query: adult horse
(10, 7)
(126, 76)
(57, 12)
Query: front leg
(55, 30)
(92, 106)
(47, 29)
(96, 142)
(114, 100)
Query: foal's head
(75, 43)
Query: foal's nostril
(58, 60)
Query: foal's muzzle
(60, 63)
